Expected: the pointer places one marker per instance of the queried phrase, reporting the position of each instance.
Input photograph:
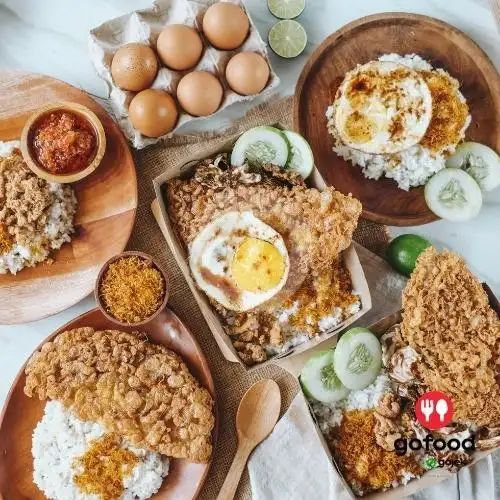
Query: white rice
(57, 231)
(295, 337)
(330, 415)
(60, 438)
(409, 168)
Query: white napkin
(291, 464)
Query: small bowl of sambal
(63, 142)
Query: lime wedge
(286, 9)
(288, 38)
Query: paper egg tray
(144, 26)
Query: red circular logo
(434, 410)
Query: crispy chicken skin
(141, 391)
(448, 321)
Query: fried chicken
(448, 321)
(141, 391)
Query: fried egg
(239, 261)
(382, 107)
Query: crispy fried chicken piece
(447, 320)
(389, 406)
(141, 391)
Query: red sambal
(64, 142)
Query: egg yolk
(257, 266)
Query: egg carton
(144, 26)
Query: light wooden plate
(366, 39)
(107, 202)
(21, 414)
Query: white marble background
(50, 37)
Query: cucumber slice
(358, 358)
(301, 155)
(480, 162)
(261, 145)
(453, 194)
(319, 380)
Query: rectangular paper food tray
(351, 260)
(431, 477)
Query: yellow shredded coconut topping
(6, 240)
(105, 464)
(132, 289)
(362, 460)
(319, 296)
(449, 112)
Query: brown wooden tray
(21, 414)
(366, 39)
(107, 202)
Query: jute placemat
(231, 380)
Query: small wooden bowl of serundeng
(73, 108)
(100, 301)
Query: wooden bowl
(27, 139)
(366, 39)
(150, 260)
(107, 204)
(21, 414)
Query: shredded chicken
(141, 391)
(448, 321)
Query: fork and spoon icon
(427, 408)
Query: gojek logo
(434, 410)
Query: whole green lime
(403, 252)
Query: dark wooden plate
(21, 414)
(366, 39)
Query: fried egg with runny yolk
(239, 261)
(382, 108)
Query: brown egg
(199, 93)
(134, 67)
(153, 112)
(225, 25)
(247, 73)
(179, 47)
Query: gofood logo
(434, 410)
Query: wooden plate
(107, 202)
(21, 414)
(366, 39)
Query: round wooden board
(107, 202)
(21, 414)
(366, 39)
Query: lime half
(286, 9)
(288, 38)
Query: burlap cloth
(231, 381)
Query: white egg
(239, 261)
(382, 107)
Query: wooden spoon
(257, 415)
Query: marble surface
(50, 37)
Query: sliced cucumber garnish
(479, 161)
(261, 145)
(301, 155)
(358, 358)
(319, 380)
(453, 194)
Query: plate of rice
(386, 100)
(55, 237)
(63, 438)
